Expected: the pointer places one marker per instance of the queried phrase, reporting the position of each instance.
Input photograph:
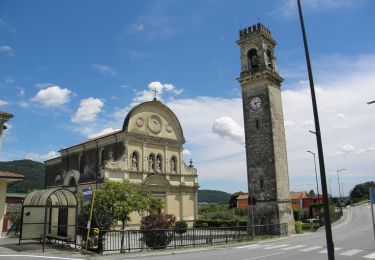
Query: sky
(71, 70)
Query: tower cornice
(271, 76)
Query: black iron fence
(137, 240)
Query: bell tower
(267, 168)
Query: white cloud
(104, 69)
(156, 23)
(53, 96)
(3, 102)
(41, 157)
(6, 49)
(21, 91)
(289, 123)
(103, 132)
(137, 27)
(227, 127)
(88, 109)
(160, 88)
(186, 152)
(23, 104)
(9, 80)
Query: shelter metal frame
(55, 198)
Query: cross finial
(155, 92)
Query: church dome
(153, 118)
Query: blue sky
(72, 69)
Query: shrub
(180, 226)
(155, 230)
(298, 227)
(203, 223)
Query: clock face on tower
(256, 103)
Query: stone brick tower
(267, 168)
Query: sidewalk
(32, 248)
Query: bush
(203, 223)
(298, 227)
(180, 226)
(155, 230)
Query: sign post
(88, 194)
(372, 201)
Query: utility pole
(328, 228)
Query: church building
(148, 152)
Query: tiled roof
(298, 195)
(10, 175)
(243, 197)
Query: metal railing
(138, 240)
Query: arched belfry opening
(270, 60)
(253, 61)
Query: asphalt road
(353, 239)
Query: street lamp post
(329, 183)
(327, 218)
(338, 182)
(317, 185)
(316, 176)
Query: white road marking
(263, 256)
(47, 257)
(370, 256)
(310, 248)
(272, 247)
(248, 246)
(325, 250)
(254, 246)
(351, 252)
(292, 247)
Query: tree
(115, 202)
(232, 202)
(311, 193)
(361, 191)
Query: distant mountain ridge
(213, 196)
(33, 172)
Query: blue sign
(87, 194)
(372, 195)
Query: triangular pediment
(157, 180)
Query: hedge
(203, 223)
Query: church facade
(148, 152)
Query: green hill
(33, 172)
(213, 196)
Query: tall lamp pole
(329, 183)
(316, 176)
(338, 182)
(327, 222)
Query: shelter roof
(10, 176)
(51, 197)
